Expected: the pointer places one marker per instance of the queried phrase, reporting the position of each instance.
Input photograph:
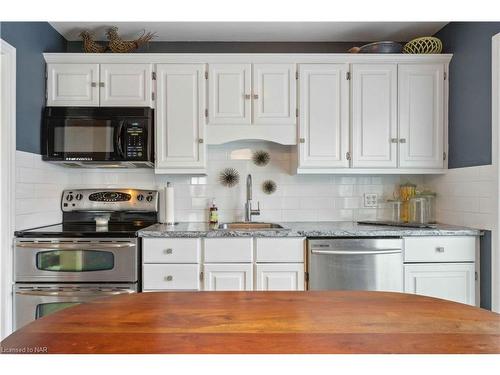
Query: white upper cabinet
(230, 94)
(73, 85)
(274, 97)
(421, 115)
(324, 116)
(180, 147)
(235, 98)
(126, 85)
(374, 115)
(94, 85)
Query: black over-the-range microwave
(99, 136)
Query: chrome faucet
(249, 212)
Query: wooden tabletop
(263, 322)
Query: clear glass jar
(389, 211)
(422, 209)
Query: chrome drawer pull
(440, 249)
(168, 278)
(168, 251)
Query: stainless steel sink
(250, 226)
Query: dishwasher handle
(358, 252)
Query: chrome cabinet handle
(256, 96)
(101, 84)
(440, 249)
(93, 84)
(394, 140)
(402, 140)
(200, 140)
(168, 251)
(168, 278)
(248, 96)
(302, 140)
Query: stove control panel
(110, 200)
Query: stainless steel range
(94, 252)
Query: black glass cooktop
(87, 229)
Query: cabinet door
(324, 116)
(374, 115)
(274, 95)
(280, 276)
(126, 85)
(228, 276)
(421, 116)
(179, 116)
(451, 281)
(75, 85)
(229, 95)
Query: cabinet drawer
(440, 249)
(171, 276)
(289, 250)
(171, 250)
(228, 250)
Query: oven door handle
(58, 293)
(359, 252)
(58, 246)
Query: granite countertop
(305, 229)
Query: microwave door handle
(119, 134)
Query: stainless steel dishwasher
(356, 264)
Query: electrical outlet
(370, 199)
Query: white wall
(298, 197)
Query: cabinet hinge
(296, 75)
(152, 96)
(348, 155)
(153, 76)
(348, 76)
(206, 75)
(445, 76)
(444, 155)
(475, 276)
(296, 112)
(201, 276)
(206, 112)
(306, 276)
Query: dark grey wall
(470, 91)
(485, 270)
(30, 39)
(238, 47)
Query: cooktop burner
(86, 229)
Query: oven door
(67, 260)
(34, 301)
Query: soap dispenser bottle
(213, 214)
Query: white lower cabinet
(228, 276)
(223, 264)
(280, 276)
(442, 267)
(171, 277)
(451, 281)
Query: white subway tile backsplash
(297, 198)
(466, 196)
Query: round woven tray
(426, 44)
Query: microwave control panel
(135, 141)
